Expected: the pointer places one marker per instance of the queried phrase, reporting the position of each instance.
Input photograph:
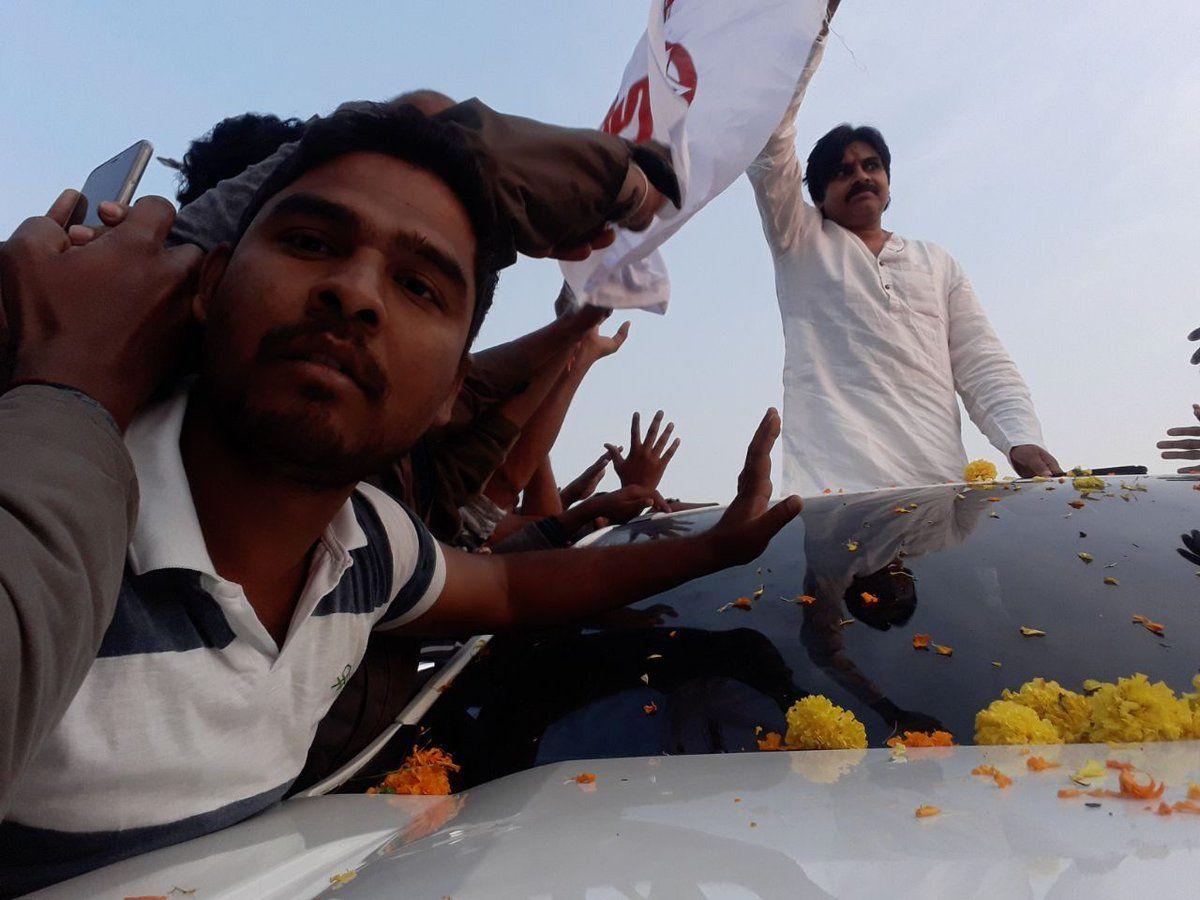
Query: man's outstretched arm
(499, 592)
(95, 328)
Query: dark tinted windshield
(969, 568)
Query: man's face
(335, 335)
(858, 193)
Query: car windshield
(690, 671)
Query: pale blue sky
(1050, 147)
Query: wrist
(85, 383)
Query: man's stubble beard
(297, 444)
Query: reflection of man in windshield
(872, 581)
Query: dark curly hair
(232, 146)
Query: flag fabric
(711, 79)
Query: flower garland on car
(1131, 710)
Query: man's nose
(353, 290)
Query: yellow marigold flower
(1007, 722)
(1133, 709)
(814, 723)
(1193, 701)
(1066, 710)
(979, 470)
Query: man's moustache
(285, 340)
(860, 188)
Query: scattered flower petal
(1155, 627)
(1002, 780)
(343, 878)
(1087, 557)
(650, 708)
(869, 599)
(852, 546)
(1109, 580)
(1032, 632)
(920, 642)
(925, 812)
(1041, 764)
(585, 778)
(943, 650)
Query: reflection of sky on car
(969, 572)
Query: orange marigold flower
(424, 772)
(922, 739)
(1148, 790)
(1188, 806)
(943, 650)
(924, 812)
(1155, 627)
(920, 641)
(772, 740)
(1040, 764)
(585, 778)
(995, 774)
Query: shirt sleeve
(993, 391)
(68, 502)
(418, 566)
(777, 177)
(213, 217)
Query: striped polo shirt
(192, 718)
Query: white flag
(711, 79)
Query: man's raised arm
(494, 593)
(776, 174)
(94, 328)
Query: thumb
(774, 519)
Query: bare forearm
(489, 593)
(537, 437)
(541, 493)
(531, 351)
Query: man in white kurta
(880, 333)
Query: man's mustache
(861, 186)
(332, 336)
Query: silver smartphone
(115, 180)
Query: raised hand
(750, 521)
(613, 507)
(585, 484)
(105, 318)
(1030, 460)
(595, 345)
(1189, 448)
(649, 456)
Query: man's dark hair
(232, 146)
(826, 157)
(425, 143)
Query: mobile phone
(115, 180)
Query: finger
(1194, 335)
(614, 453)
(1189, 470)
(1196, 355)
(1181, 454)
(619, 338)
(61, 209)
(1187, 430)
(604, 239)
(755, 480)
(79, 235)
(661, 444)
(1190, 444)
(657, 502)
(635, 433)
(774, 519)
(152, 215)
(666, 457)
(598, 466)
(576, 253)
(112, 214)
(185, 260)
(1050, 463)
(652, 431)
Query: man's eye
(419, 288)
(871, 166)
(307, 243)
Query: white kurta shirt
(875, 348)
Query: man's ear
(211, 271)
(447, 408)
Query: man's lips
(340, 357)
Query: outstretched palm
(750, 521)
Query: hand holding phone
(114, 181)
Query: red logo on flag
(636, 103)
